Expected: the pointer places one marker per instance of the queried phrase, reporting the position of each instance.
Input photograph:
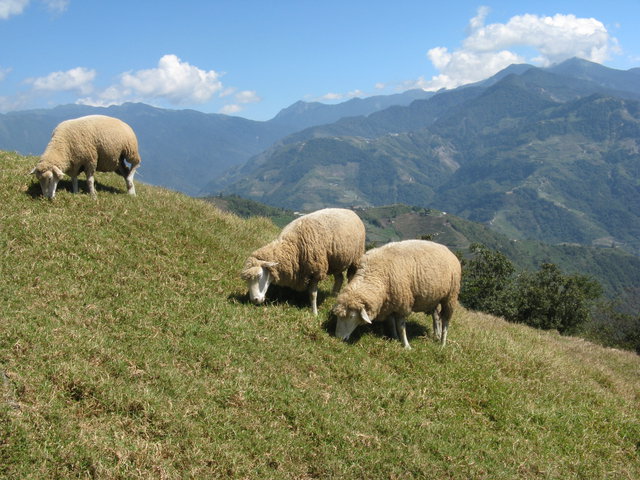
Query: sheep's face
(348, 320)
(258, 277)
(48, 179)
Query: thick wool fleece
(401, 277)
(327, 241)
(91, 143)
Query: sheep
(396, 279)
(92, 143)
(328, 241)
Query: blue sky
(252, 58)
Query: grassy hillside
(127, 350)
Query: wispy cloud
(10, 8)
(242, 98)
(488, 49)
(77, 79)
(4, 72)
(57, 6)
(333, 97)
(173, 81)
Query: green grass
(127, 350)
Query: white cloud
(247, 96)
(12, 7)
(78, 79)
(332, 97)
(173, 81)
(4, 72)
(9, 8)
(488, 49)
(57, 6)
(242, 98)
(231, 109)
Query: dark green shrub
(546, 299)
(549, 299)
(486, 281)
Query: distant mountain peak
(582, 69)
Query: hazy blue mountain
(302, 114)
(186, 149)
(619, 80)
(563, 82)
(180, 149)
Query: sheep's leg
(437, 324)
(391, 324)
(337, 283)
(445, 314)
(89, 171)
(313, 296)
(445, 326)
(74, 183)
(131, 189)
(401, 326)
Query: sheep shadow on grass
(34, 190)
(415, 329)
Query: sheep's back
(418, 274)
(95, 138)
(328, 241)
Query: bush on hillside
(549, 299)
(546, 299)
(487, 280)
(614, 326)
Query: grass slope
(127, 350)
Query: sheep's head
(49, 178)
(348, 319)
(258, 274)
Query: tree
(487, 279)
(548, 299)
(616, 323)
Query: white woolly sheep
(92, 143)
(399, 278)
(327, 241)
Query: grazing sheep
(327, 241)
(92, 143)
(399, 278)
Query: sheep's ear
(33, 172)
(270, 264)
(59, 173)
(365, 317)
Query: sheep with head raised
(88, 144)
(328, 241)
(399, 278)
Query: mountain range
(185, 149)
(547, 154)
